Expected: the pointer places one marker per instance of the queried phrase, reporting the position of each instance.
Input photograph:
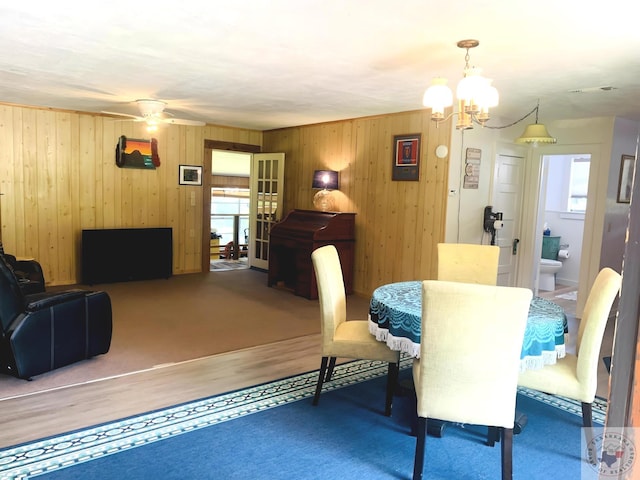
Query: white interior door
(267, 182)
(507, 198)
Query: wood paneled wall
(58, 176)
(398, 223)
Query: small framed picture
(190, 175)
(626, 178)
(406, 157)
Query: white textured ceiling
(267, 64)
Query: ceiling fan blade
(119, 114)
(182, 121)
(153, 112)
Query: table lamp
(327, 180)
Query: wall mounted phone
(492, 221)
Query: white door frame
(593, 220)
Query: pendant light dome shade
(535, 133)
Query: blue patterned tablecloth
(395, 314)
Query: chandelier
(476, 96)
(474, 93)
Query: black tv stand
(126, 254)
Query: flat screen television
(126, 254)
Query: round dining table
(395, 317)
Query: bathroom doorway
(561, 213)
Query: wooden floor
(56, 411)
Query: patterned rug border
(47, 455)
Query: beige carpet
(159, 322)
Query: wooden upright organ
(293, 239)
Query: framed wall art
(406, 157)
(190, 174)
(626, 179)
(137, 153)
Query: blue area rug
(271, 431)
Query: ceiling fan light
(151, 108)
(535, 133)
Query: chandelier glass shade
(438, 97)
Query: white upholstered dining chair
(469, 263)
(341, 337)
(468, 370)
(576, 376)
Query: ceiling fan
(152, 112)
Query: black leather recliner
(29, 274)
(44, 331)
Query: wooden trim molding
(228, 181)
(232, 146)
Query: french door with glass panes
(267, 181)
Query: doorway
(562, 205)
(265, 184)
(227, 180)
(229, 210)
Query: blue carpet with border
(272, 431)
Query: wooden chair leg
(587, 422)
(587, 416)
(506, 453)
(418, 462)
(323, 369)
(393, 373)
(332, 365)
(493, 436)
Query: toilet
(547, 274)
(549, 265)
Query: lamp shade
(535, 133)
(325, 179)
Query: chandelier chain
(476, 96)
(499, 127)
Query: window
(226, 204)
(578, 185)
